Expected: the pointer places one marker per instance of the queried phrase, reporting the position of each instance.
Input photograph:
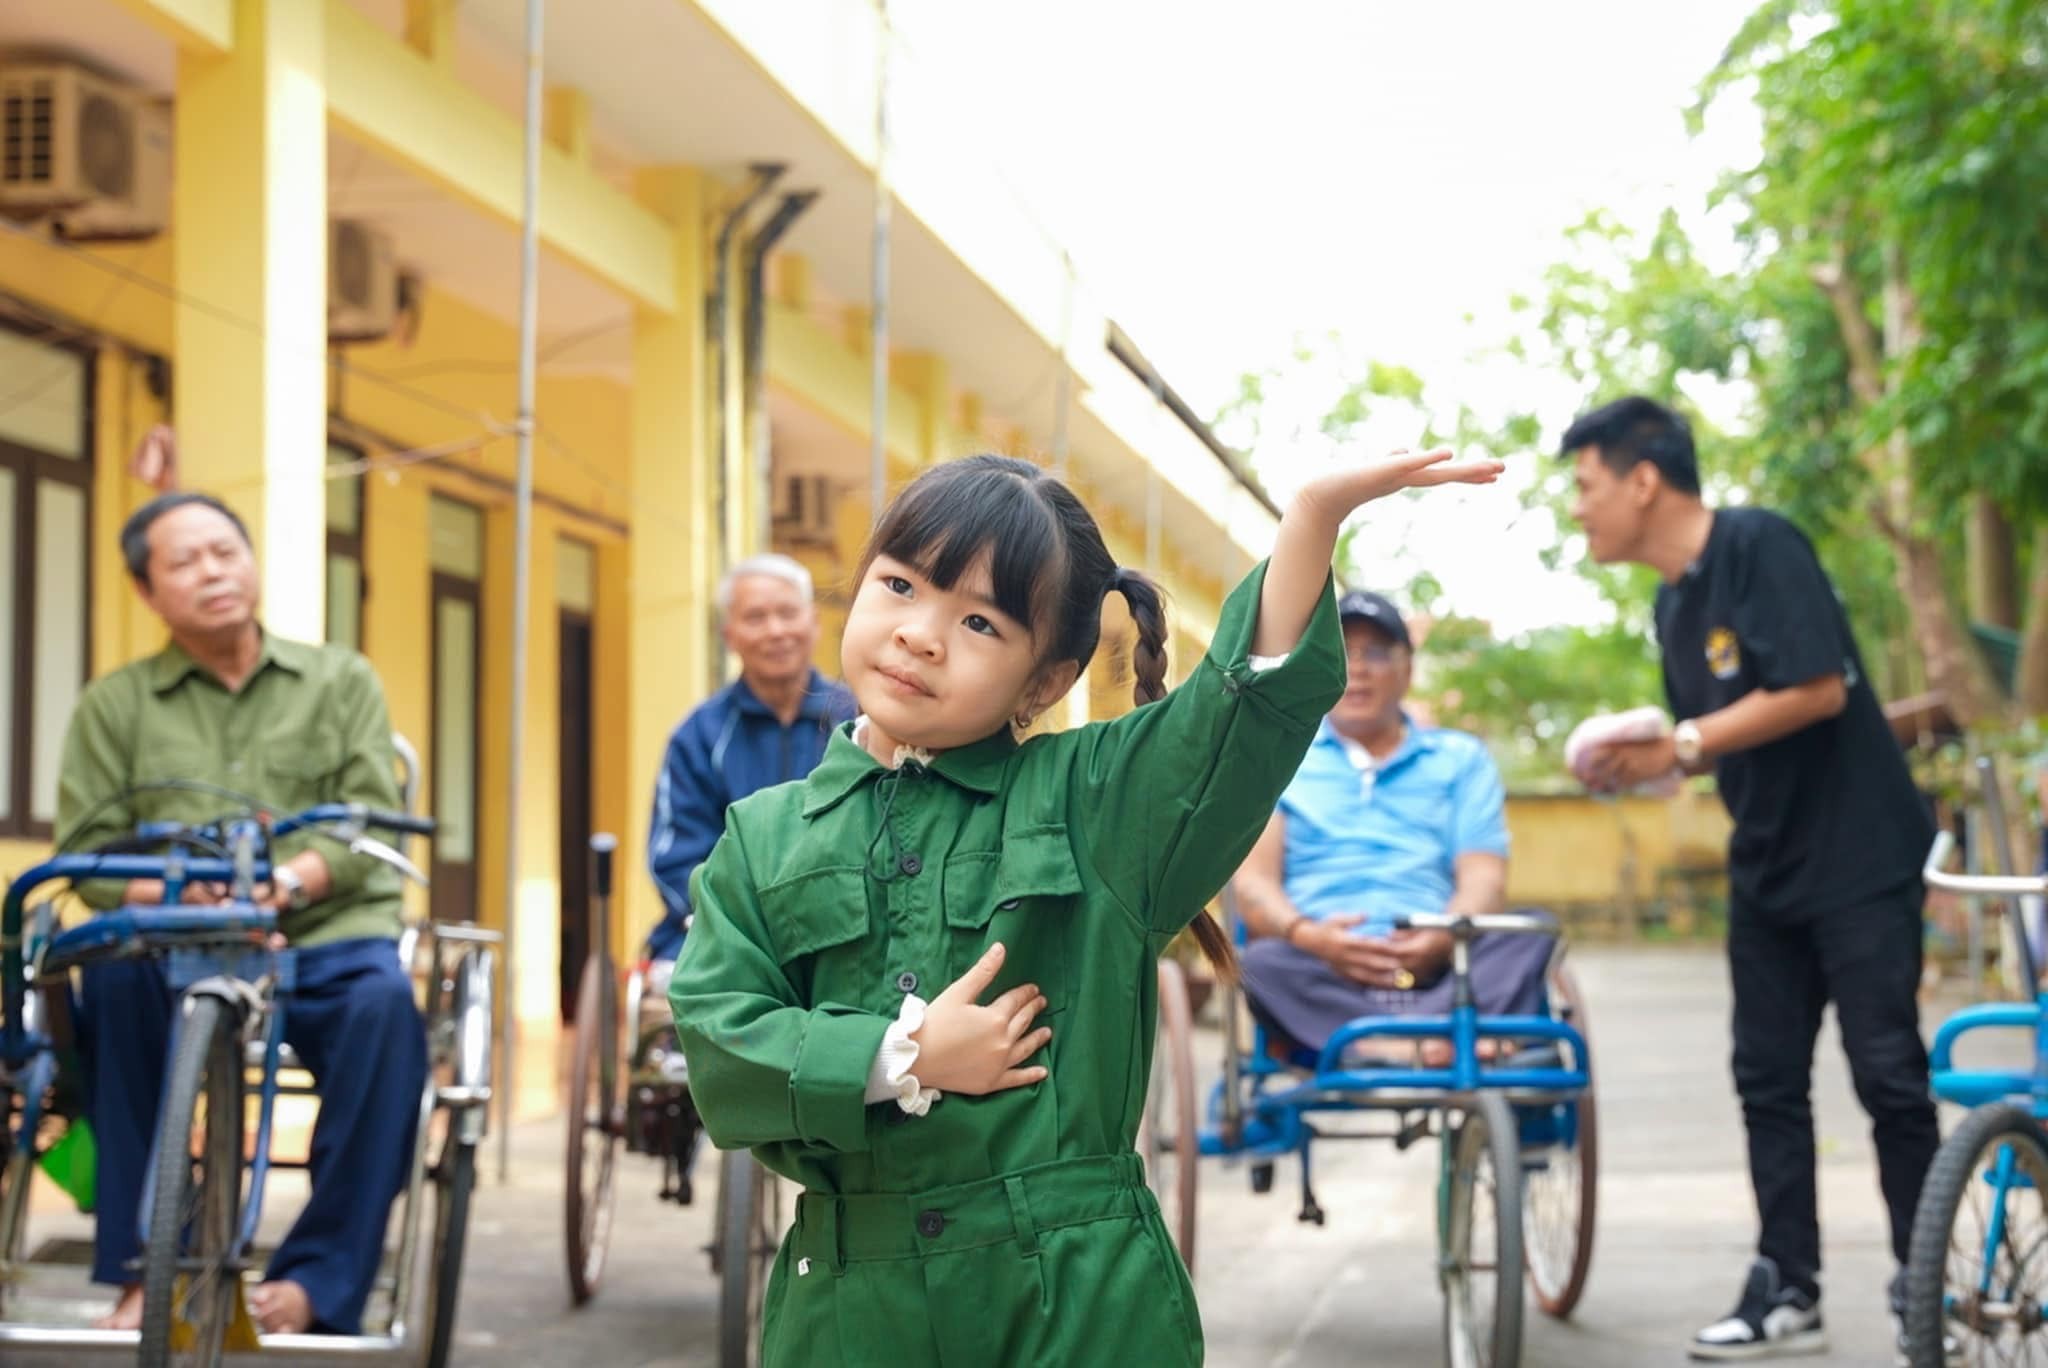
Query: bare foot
(127, 1312)
(1438, 1054)
(281, 1308)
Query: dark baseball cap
(1362, 605)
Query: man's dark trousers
(356, 1029)
(1786, 967)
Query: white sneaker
(1770, 1321)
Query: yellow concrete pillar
(926, 376)
(789, 281)
(250, 264)
(532, 984)
(398, 630)
(430, 31)
(617, 805)
(123, 410)
(568, 121)
(669, 574)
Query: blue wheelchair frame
(1974, 1088)
(222, 951)
(1275, 1123)
(206, 949)
(1263, 1109)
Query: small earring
(1022, 721)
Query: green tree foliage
(1881, 338)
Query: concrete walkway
(1675, 1228)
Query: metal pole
(878, 317)
(522, 566)
(754, 358)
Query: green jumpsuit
(1013, 1228)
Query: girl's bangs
(943, 526)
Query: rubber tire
(1487, 1131)
(587, 1221)
(207, 1058)
(454, 1181)
(744, 1256)
(1561, 1301)
(17, 1174)
(1170, 1099)
(1949, 1177)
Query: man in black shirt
(1824, 864)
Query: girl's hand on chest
(964, 1047)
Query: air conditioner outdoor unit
(89, 155)
(804, 509)
(362, 282)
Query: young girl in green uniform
(919, 983)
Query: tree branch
(1859, 338)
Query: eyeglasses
(1377, 653)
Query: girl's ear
(1053, 683)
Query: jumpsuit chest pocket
(1023, 894)
(818, 924)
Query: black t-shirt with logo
(1824, 817)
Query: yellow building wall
(1573, 850)
(433, 411)
(582, 487)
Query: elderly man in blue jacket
(769, 726)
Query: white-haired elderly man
(769, 726)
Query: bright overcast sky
(1232, 176)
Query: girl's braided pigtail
(1148, 664)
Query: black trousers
(1866, 960)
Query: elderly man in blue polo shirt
(1385, 817)
(769, 726)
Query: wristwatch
(1685, 742)
(294, 887)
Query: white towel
(1647, 723)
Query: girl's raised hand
(1343, 490)
(1300, 564)
(964, 1047)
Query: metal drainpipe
(754, 349)
(717, 308)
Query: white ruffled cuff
(889, 1077)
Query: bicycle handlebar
(1513, 923)
(1981, 885)
(126, 866)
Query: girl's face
(940, 668)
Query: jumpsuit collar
(977, 768)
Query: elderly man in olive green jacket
(229, 715)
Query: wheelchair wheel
(1560, 1174)
(749, 1230)
(1977, 1272)
(1480, 1208)
(593, 1140)
(1168, 1138)
(195, 1281)
(454, 1181)
(454, 1171)
(17, 1172)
